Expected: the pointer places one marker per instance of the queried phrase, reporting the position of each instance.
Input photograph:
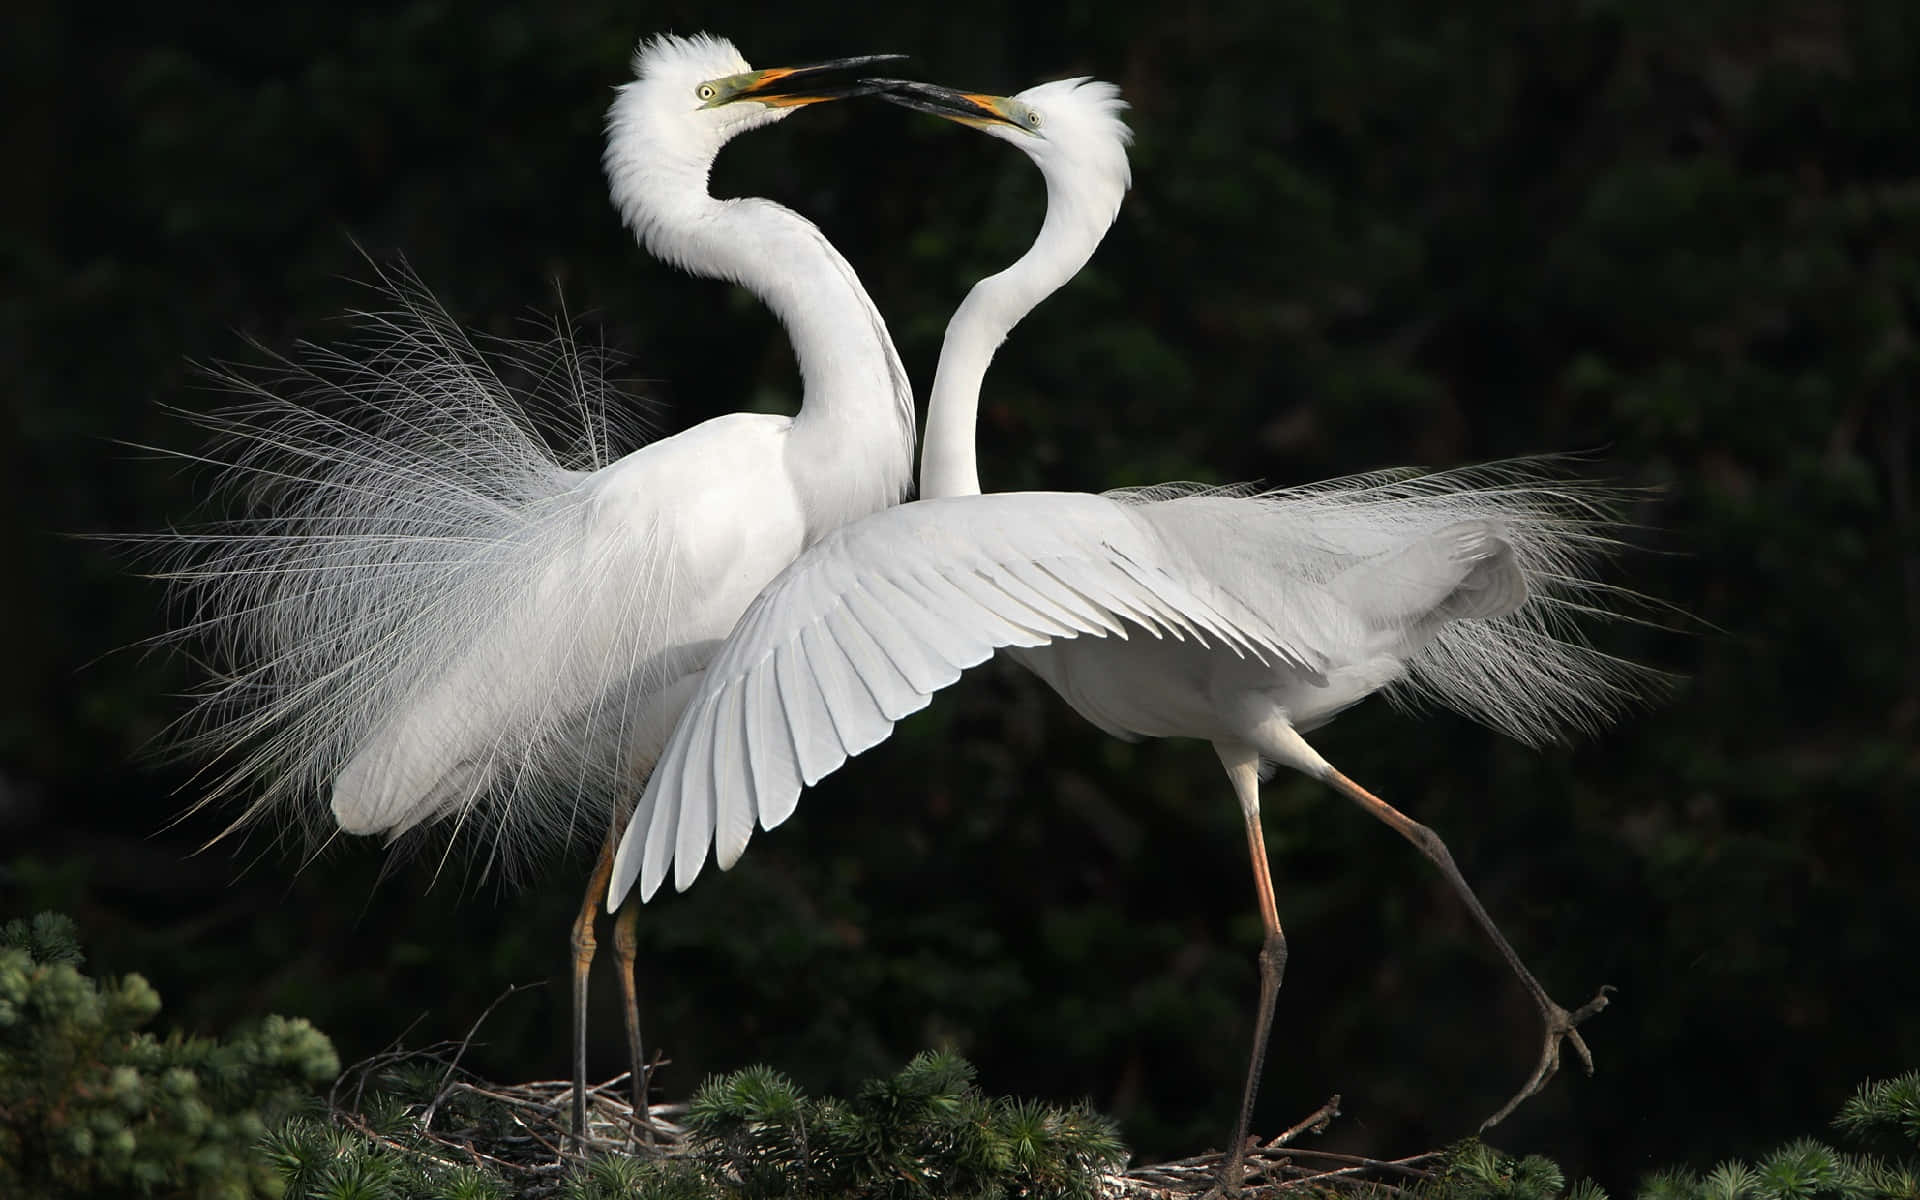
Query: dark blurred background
(1363, 233)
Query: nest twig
(524, 1132)
(1276, 1167)
(528, 1138)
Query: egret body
(438, 618)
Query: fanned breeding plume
(1508, 645)
(389, 504)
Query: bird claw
(1227, 1184)
(1561, 1026)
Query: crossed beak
(790, 87)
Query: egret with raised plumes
(428, 615)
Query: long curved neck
(1068, 237)
(851, 444)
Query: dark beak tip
(823, 80)
(858, 60)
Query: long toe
(1561, 1025)
(1233, 1172)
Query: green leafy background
(1363, 233)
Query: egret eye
(706, 91)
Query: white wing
(880, 614)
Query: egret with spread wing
(1255, 617)
(436, 618)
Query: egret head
(1071, 128)
(689, 97)
(699, 92)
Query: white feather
(430, 614)
(797, 634)
(1267, 613)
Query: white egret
(1454, 586)
(438, 618)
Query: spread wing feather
(879, 615)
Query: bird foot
(1561, 1026)
(1233, 1172)
(1220, 1190)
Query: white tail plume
(390, 502)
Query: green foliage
(619, 1178)
(318, 1159)
(48, 938)
(406, 1135)
(927, 1131)
(1476, 1171)
(89, 1105)
(1882, 1112)
(924, 1132)
(1887, 1110)
(1803, 1169)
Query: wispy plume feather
(387, 506)
(1532, 673)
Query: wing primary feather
(633, 840)
(1085, 579)
(956, 603)
(1062, 594)
(771, 754)
(982, 584)
(922, 607)
(816, 744)
(694, 830)
(1123, 596)
(1043, 599)
(1152, 584)
(732, 778)
(949, 604)
(1208, 618)
(1025, 627)
(849, 705)
(903, 647)
(893, 694)
(669, 773)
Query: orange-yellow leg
(625, 951)
(1560, 1024)
(1243, 770)
(583, 948)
